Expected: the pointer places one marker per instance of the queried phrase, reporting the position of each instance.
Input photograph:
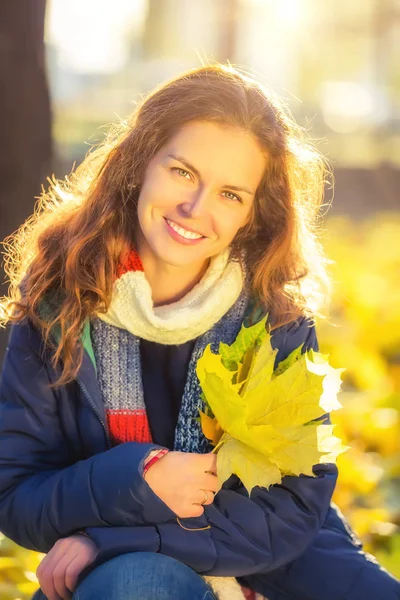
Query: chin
(181, 263)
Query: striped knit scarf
(212, 312)
(116, 343)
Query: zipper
(96, 411)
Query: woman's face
(198, 191)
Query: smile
(189, 235)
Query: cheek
(156, 194)
(230, 224)
(142, 202)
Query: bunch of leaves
(265, 422)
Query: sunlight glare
(90, 35)
(288, 14)
(345, 105)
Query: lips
(184, 227)
(181, 239)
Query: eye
(233, 196)
(182, 172)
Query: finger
(51, 558)
(210, 482)
(45, 577)
(204, 497)
(47, 587)
(208, 461)
(73, 571)
(58, 557)
(59, 572)
(196, 510)
(40, 567)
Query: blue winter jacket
(59, 475)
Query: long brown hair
(70, 247)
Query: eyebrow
(196, 172)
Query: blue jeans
(141, 576)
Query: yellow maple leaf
(236, 458)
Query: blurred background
(67, 68)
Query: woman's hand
(59, 570)
(184, 481)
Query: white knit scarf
(132, 306)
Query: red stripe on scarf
(128, 426)
(131, 262)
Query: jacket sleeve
(44, 493)
(238, 535)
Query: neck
(168, 283)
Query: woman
(198, 215)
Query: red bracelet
(154, 459)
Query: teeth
(186, 234)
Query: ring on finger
(205, 498)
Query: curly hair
(71, 246)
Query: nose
(195, 204)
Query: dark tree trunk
(25, 120)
